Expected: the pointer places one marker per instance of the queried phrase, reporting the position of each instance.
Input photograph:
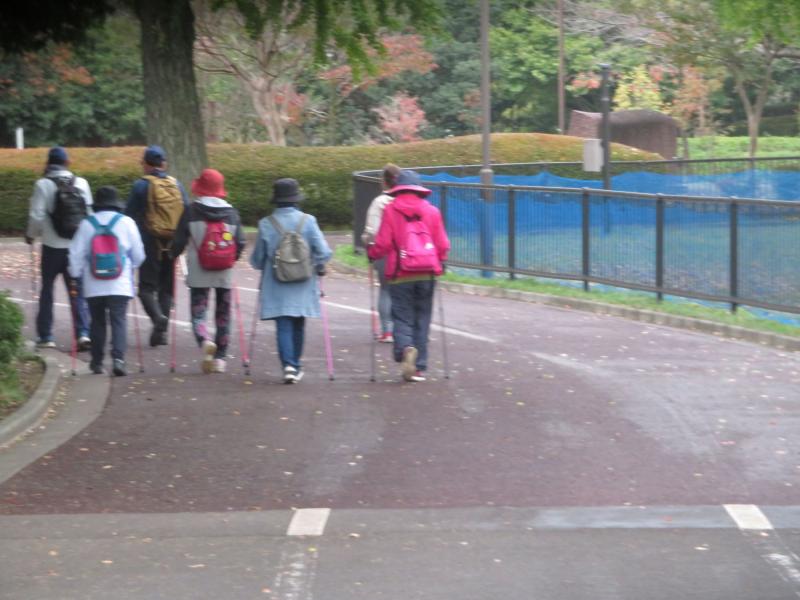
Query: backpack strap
(114, 220)
(276, 225)
(299, 228)
(108, 226)
(95, 223)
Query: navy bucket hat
(409, 181)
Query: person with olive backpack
(156, 203)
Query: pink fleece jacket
(390, 234)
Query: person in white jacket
(107, 295)
(55, 241)
(373, 224)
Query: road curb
(763, 338)
(29, 414)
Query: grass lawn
(737, 147)
(19, 382)
(742, 318)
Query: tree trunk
(172, 107)
(269, 113)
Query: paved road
(569, 455)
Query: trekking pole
(138, 335)
(173, 310)
(242, 346)
(73, 309)
(326, 332)
(373, 337)
(253, 326)
(33, 271)
(444, 334)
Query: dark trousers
(54, 263)
(412, 306)
(116, 306)
(156, 282)
(222, 317)
(291, 335)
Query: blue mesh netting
(546, 234)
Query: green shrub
(11, 320)
(325, 174)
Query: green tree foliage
(91, 94)
(638, 90)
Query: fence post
(443, 205)
(734, 254)
(660, 246)
(512, 237)
(585, 239)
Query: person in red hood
(411, 290)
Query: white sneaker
(219, 366)
(298, 376)
(289, 374)
(45, 344)
(408, 366)
(209, 348)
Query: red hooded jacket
(391, 232)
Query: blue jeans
(116, 306)
(291, 334)
(54, 263)
(412, 306)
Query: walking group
(97, 243)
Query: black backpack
(69, 208)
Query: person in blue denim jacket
(289, 304)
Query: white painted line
(434, 326)
(748, 517)
(309, 521)
(129, 314)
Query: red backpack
(106, 259)
(418, 253)
(217, 251)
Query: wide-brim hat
(210, 183)
(286, 189)
(108, 197)
(409, 181)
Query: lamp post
(487, 175)
(605, 103)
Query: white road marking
(434, 326)
(308, 521)
(748, 517)
(295, 577)
(129, 314)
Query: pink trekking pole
(138, 335)
(373, 313)
(173, 310)
(73, 309)
(242, 346)
(326, 332)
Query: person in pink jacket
(411, 272)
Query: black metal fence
(729, 250)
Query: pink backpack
(418, 253)
(105, 256)
(217, 251)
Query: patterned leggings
(222, 317)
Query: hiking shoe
(97, 369)
(386, 338)
(408, 366)
(45, 343)
(84, 343)
(289, 374)
(158, 338)
(218, 366)
(418, 376)
(209, 348)
(298, 376)
(119, 368)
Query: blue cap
(155, 156)
(57, 156)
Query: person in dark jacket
(209, 206)
(156, 275)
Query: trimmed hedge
(324, 173)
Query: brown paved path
(552, 408)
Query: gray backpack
(293, 256)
